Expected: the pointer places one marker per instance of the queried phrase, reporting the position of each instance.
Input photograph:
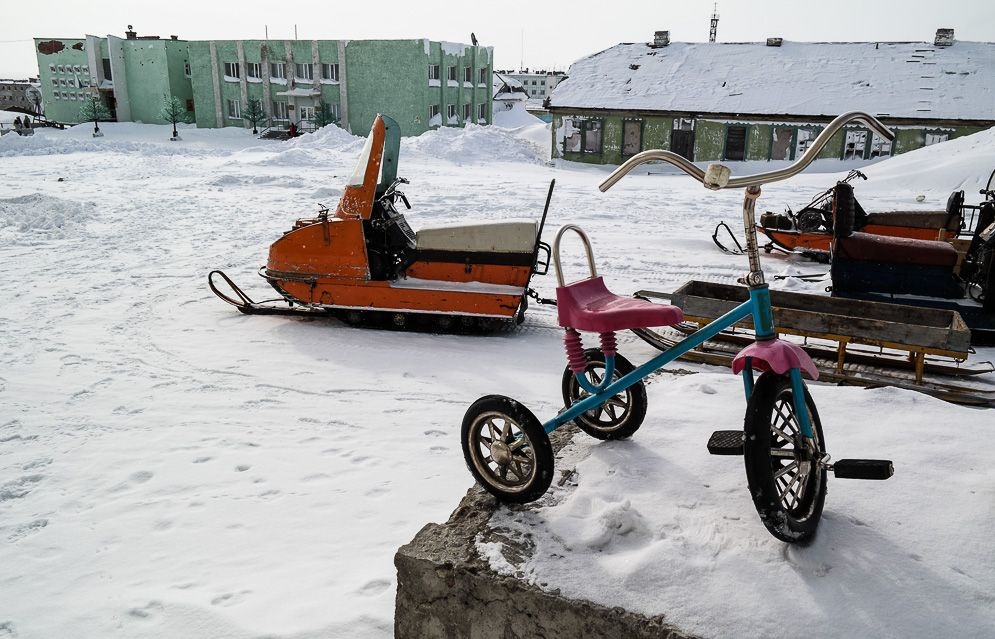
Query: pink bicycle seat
(588, 305)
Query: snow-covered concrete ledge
(446, 589)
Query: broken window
(582, 135)
(735, 143)
(935, 137)
(780, 147)
(804, 140)
(855, 144)
(632, 137)
(880, 147)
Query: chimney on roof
(774, 42)
(660, 39)
(130, 33)
(944, 38)
(172, 37)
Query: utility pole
(715, 23)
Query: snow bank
(32, 219)
(473, 144)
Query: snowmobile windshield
(359, 174)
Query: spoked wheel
(507, 449)
(620, 416)
(786, 480)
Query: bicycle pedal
(864, 468)
(726, 442)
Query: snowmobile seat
(868, 247)
(588, 305)
(511, 236)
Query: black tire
(790, 512)
(507, 450)
(620, 416)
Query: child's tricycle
(508, 449)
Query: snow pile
(327, 137)
(472, 144)
(36, 218)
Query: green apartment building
(420, 83)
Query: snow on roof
(300, 92)
(896, 79)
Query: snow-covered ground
(172, 468)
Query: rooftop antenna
(521, 60)
(715, 23)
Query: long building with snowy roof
(767, 101)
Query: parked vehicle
(364, 263)
(507, 448)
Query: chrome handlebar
(719, 176)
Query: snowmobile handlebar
(719, 176)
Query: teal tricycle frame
(508, 451)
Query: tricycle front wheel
(507, 450)
(784, 471)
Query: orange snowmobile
(363, 263)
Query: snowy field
(172, 468)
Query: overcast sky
(547, 35)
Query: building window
(304, 71)
(483, 77)
(935, 137)
(434, 119)
(189, 105)
(581, 135)
(186, 68)
(231, 70)
(466, 112)
(467, 74)
(277, 70)
(735, 143)
(433, 72)
(482, 112)
(451, 114)
(856, 142)
(77, 68)
(279, 110)
(253, 70)
(880, 148)
(452, 74)
(330, 72)
(61, 69)
(55, 82)
(234, 110)
(51, 68)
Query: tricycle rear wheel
(622, 414)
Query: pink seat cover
(588, 305)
